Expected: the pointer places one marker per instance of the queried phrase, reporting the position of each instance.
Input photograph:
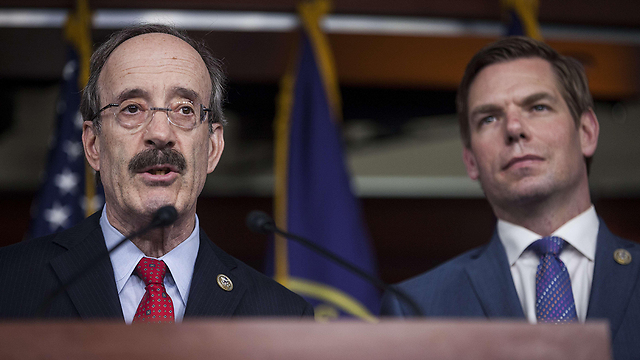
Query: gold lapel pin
(622, 257)
(224, 282)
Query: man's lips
(521, 160)
(159, 170)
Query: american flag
(62, 200)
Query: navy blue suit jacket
(479, 284)
(31, 270)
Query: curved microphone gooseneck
(260, 222)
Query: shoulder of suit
(51, 242)
(253, 278)
(260, 280)
(617, 240)
(449, 269)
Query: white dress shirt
(180, 262)
(580, 233)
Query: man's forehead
(525, 74)
(153, 40)
(155, 57)
(530, 65)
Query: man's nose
(159, 132)
(515, 127)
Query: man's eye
(131, 109)
(185, 110)
(540, 107)
(487, 120)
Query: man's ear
(589, 132)
(216, 145)
(91, 144)
(470, 163)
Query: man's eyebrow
(140, 93)
(483, 109)
(533, 98)
(184, 93)
(132, 93)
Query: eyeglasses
(132, 115)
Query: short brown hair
(570, 76)
(90, 101)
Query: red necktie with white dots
(156, 305)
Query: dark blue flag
(313, 193)
(521, 17)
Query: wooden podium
(304, 339)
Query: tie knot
(151, 271)
(548, 245)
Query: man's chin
(153, 206)
(526, 191)
(529, 192)
(151, 201)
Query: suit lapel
(206, 297)
(93, 293)
(613, 283)
(491, 280)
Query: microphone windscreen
(165, 216)
(260, 222)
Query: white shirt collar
(581, 232)
(180, 261)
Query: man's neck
(547, 215)
(156, 242)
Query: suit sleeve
(390, 305)
(308, 311)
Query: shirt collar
(180, 260)
(581, 232)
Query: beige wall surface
(425, 161)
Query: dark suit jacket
(31, 270)
(479, 284)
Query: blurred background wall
(398, 64)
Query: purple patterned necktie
(554, 297)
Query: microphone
(261, 223)
(164, 216)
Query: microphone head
(259, 222)
(165, 216)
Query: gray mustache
(151, 157)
